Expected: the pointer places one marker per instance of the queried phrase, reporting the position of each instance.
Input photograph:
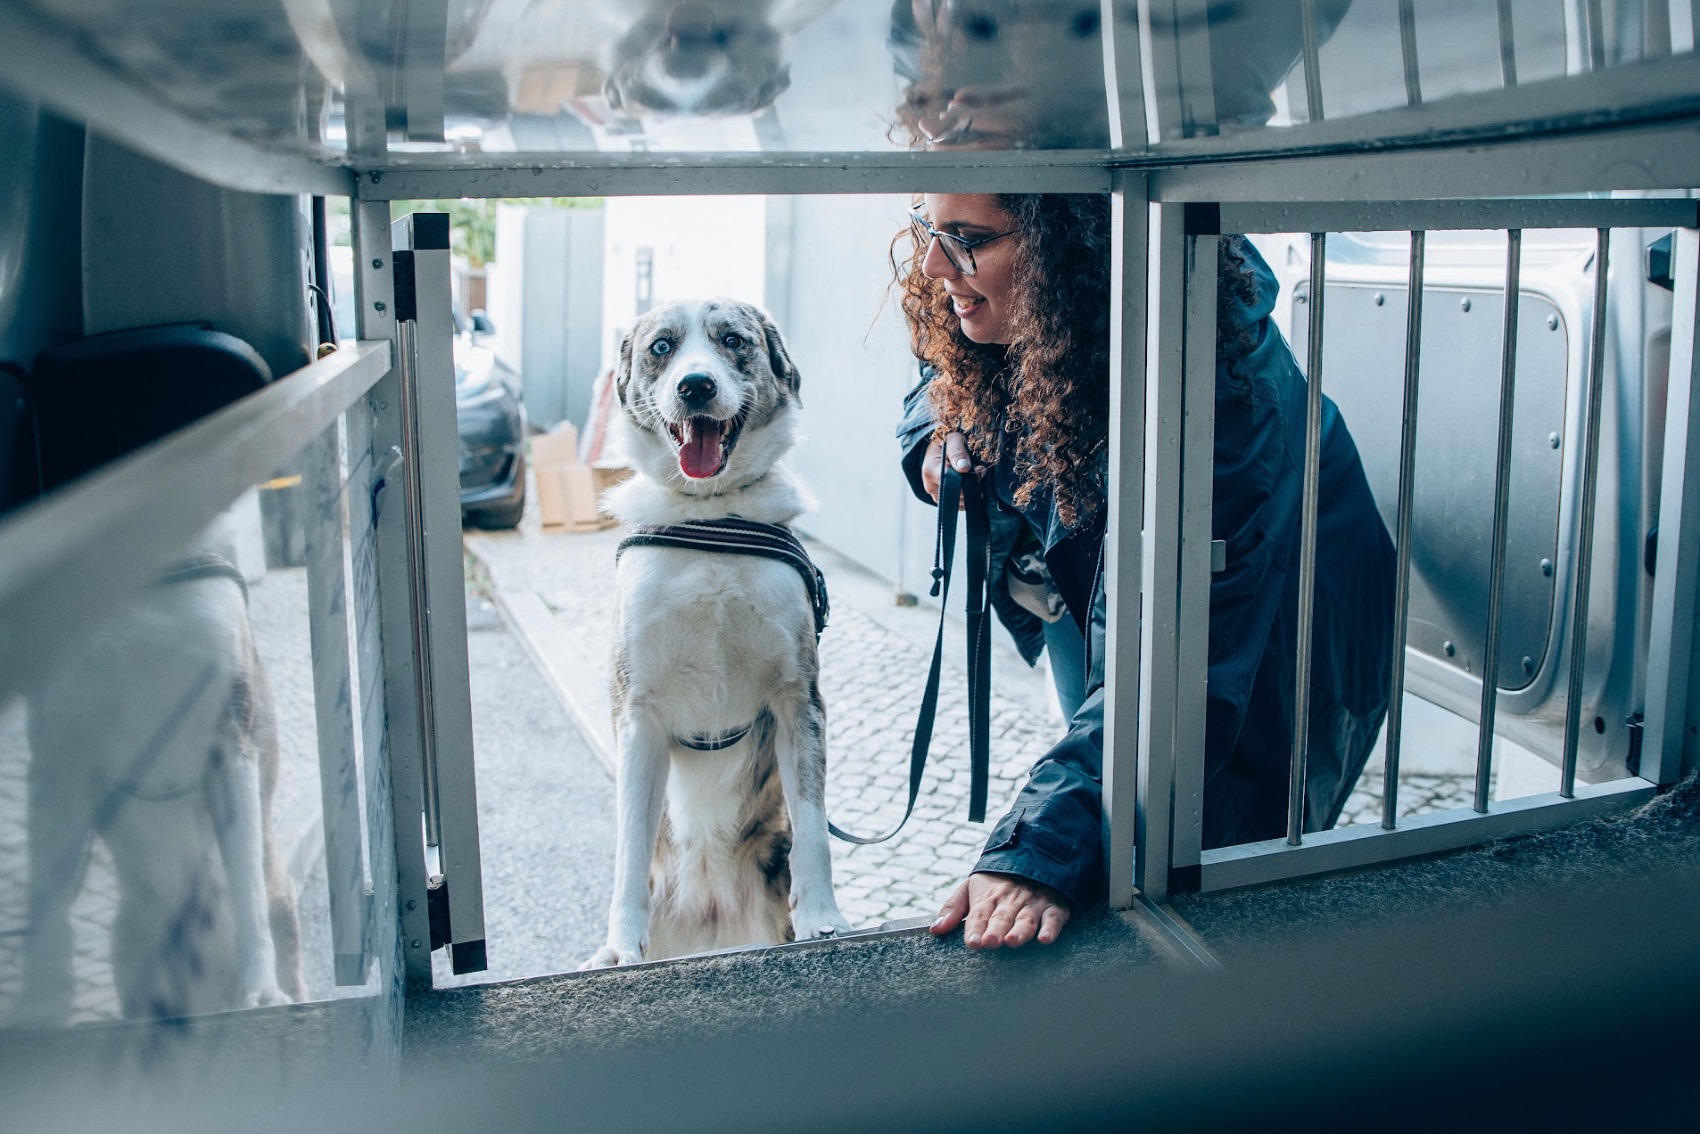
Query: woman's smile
(982, 301)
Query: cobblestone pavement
(871, 677)
(278, 611)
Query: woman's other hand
(1002, 910)
(955, 446)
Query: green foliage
(472, 220)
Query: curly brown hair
(1048, 390)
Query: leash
(953, 487)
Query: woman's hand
(955, 446)
(998, 910)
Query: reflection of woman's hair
(1048, 391)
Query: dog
(158, 735)
(718, 844)
(654, 57)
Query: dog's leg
(234, 799)
(60, 831)
(802, 768)
(640, 790)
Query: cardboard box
(567, 491)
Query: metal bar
(1123, 562)
(407, 345)
(1402, 535)
(1408, 52)
(1124, 84)
(1585, 520)
(1507, 46)
(1676, 574)
(1307, 543)
(1192, 650)
(1437, 216)
(1501, 515)
(1596, 35)
(597, 175)
(333, 704)
(404, 727)
(1653, 91)
(79, 554)
(44, 65)
(443, 584)
(1313, 61)
(1635, 158)
(1345, 848)
(1159, 630)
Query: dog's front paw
(608, 956)
(267, 997)
(818, 923)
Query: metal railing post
(1676, 574)
(1408, 52)
(1501, 517)
(1123, 566)
(1402, 533)
(1585, 522)
(1307, 543)
(431, 464)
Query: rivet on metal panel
(412, 905)
(1546, 568)
(414, 944)
(377, 263)
(379, 307)
(1380, 299)
(1464, 304)
(1528, 664)
(1553, 440)
(1451, 650)
(1552, 322)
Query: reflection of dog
(706, 56)
(717, 711)
(159, 737)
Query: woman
(1008, 309)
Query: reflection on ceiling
(363, 78)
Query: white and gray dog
(718, 717)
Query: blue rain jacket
(1051, 833)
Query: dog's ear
(777, 356)
(623, 371)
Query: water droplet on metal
(1546, 568)
(1451, 650)
(1380, 299)
(1552, 322)
(1464, 304)
(1528, 664)
(1553, 440)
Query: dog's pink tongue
(700, 456)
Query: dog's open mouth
(705, 444)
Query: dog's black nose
(696, 390)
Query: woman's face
(983, 300)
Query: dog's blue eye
(660, 347)
(732, 340)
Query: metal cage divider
(1300, 854)
(1668, 749)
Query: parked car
(491, 416)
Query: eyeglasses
(959, 250)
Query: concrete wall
(545, 293)
(830, 276)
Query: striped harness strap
(739, 537)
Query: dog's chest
(691, 617)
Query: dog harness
(734, 536)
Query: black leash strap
(954, 488)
